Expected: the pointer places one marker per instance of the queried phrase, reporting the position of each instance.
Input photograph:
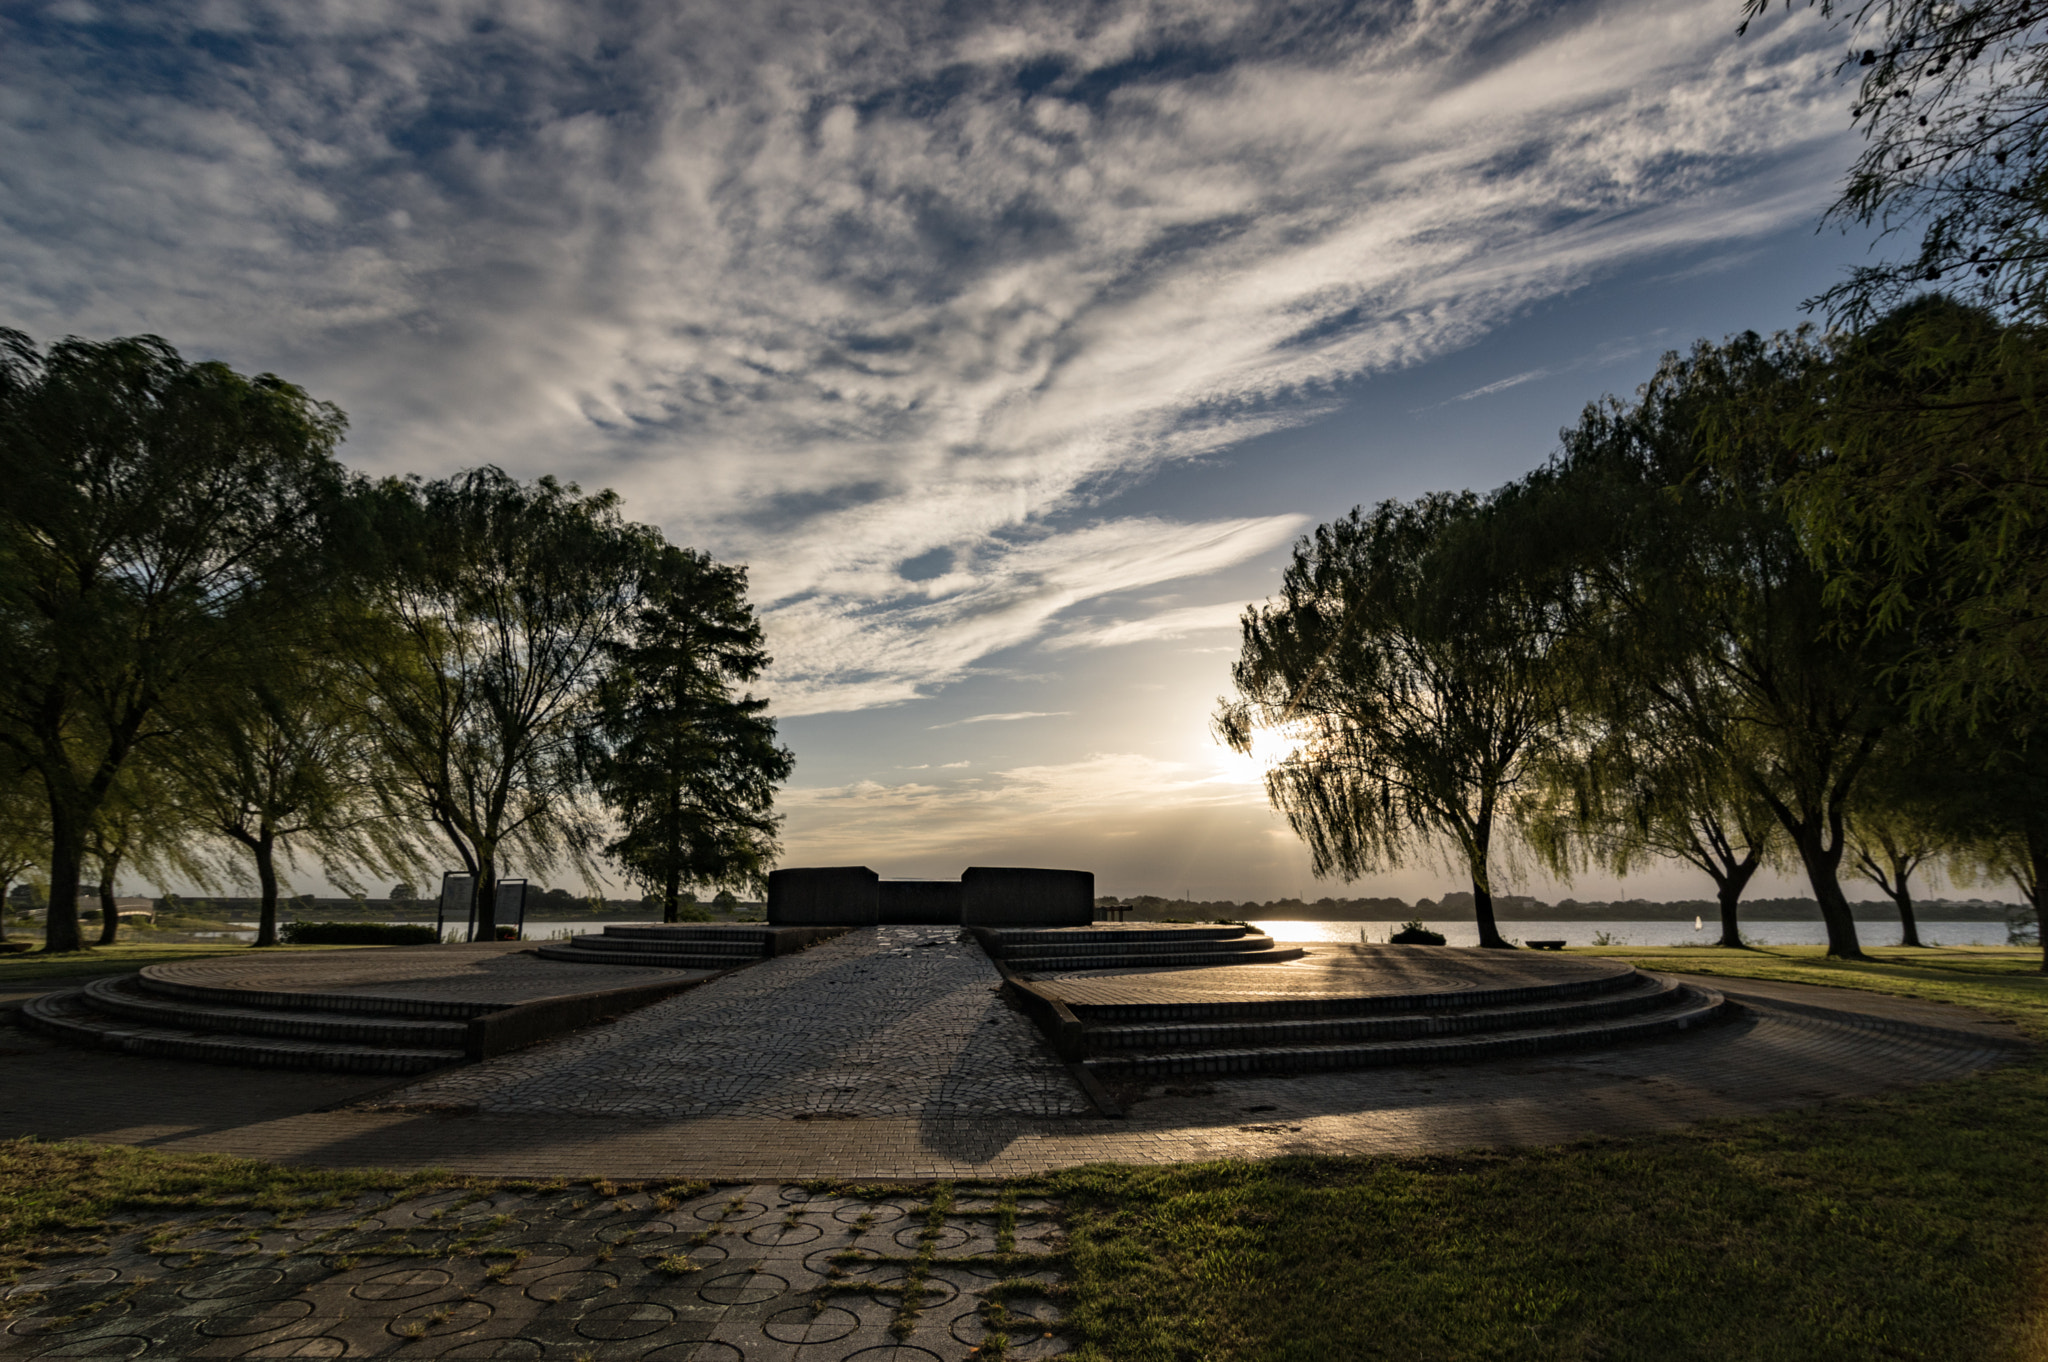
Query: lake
(1463, 933)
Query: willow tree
(477, 645)
(688, 767)
(1415, 668)
(1699, 599)
(159, 516)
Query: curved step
(124, 996)
(1655, 993)
(1138, 950)
(221, 995)
(661, 959)
(685, 931)
(738, 950)
(1622, 978)
(66, 1016)
(1024, 936)
(1032, 968)
(1696, 1007)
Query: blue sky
(1009, 344)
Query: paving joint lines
(765, 1272)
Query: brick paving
(766, 1272)
(1792, 1046)
(1329, 971)
(485, 972)
(884, 1021)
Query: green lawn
(19, 972)
(1908, 1226)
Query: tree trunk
(5, 885)
(1909, 928)
(1823, 869)
(671, 891)
(67, 852)
(2036, 826)
(266, 880)
(486, 895)
(1482, 910)
(110, 911)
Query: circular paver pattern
(573, 1286)
(317, 1345)
(743, 1288)
(255, 1317)
(239, 1281)
(625, 1320)
(433, 1321)
(504, 1348)
(706, 1350)
(402, 1284)
(109, 1345)
(800, 1324)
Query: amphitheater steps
(127, 999)
(1652, 1007)
(70, 1016)
(669, 946)
(1063, 950)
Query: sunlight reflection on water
(1643, 933)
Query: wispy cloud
(1168, 624)
(1004, 719)
(881, 299)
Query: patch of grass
(26, 971)
(64, 1197)
(1909, 1226)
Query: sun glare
(1270, 748)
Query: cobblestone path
(884, 1021)
(764, 1273)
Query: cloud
(882, 299)
(1004, 718)
(1168, 624)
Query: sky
(1009, 345)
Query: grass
(1905, 1226)
(1908, 1226)
(26, 971)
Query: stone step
(1694, 1007)
(128, 997)
(68, 1016)
(1033, 966)
(756, 937)
(1653, 993)
(743, 950)
(1135, 949)
(1622, 979)
(157, 983)
(1024, 936)
(557, 950)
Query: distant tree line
(227, 654)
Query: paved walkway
(903, 1022)
(764, 1273)
(820, 1106)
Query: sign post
(458, 895)
(512, 905)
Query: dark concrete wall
(1010, 896)
(933, 902)
(826, 896)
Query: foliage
(477, 647)
(1925, 500)
(1414, 666)
(1697, 608)
(357, 934)
(1953, 106)
(160, 515)
(687, 767)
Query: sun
(1271, 747)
